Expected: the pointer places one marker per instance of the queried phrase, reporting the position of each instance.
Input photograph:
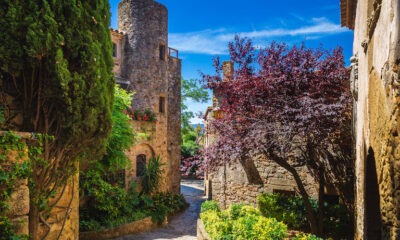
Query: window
(114, 50)
(140, 165)
(162, 52)
(218, 114)
(284, 192)
(161, 105)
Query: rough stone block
(19, 201)
(21, 225)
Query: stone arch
(140, 151)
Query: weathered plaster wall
(377, 126)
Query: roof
(115, 31)
(209, 109)
(348, 13)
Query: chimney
(227, 67)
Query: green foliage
(121, 138)
(191, 90)
(132, 208)
(190, 145)
(14, 166)
(105, 199)
(152, 175)
(291, 210)
(163, 204)
(303, 236)
(2, 119)
(210, 206)
(56, 63)
(240, 222)
(109, 206)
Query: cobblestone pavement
(183, 225)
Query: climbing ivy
(14, 166)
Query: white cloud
(215, 41)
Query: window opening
(140, 165)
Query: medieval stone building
(375, 87)
(144, 64)
(229, 183)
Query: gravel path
(183, 225)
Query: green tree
(56, 65)
(100, 180)
(191, 91)
(122, 135)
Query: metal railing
(172, 52)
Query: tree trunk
(252, 174)
(321, 202)
(34, 221)
(311, 217)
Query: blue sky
(201, 29)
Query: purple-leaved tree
(291, 105)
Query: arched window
(140, 165)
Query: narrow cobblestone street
(183, 225)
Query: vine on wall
(14, 166)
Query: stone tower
(148, 68)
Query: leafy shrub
(210, 206)
(105, 199)
(216, 226)
(166, 203)
(303, 236)
(290, 210)
(240, 222)
(152, 175)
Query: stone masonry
(375, 87)
(144, 65)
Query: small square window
(161, 105)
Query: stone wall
(375, 87)
(19, 199)
(63, 220)
(229, 184)
(64, 216)
(174, 122)
(143, 225)
(155, 78)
